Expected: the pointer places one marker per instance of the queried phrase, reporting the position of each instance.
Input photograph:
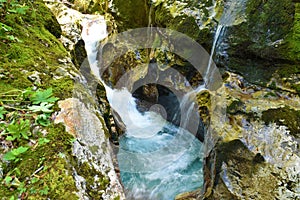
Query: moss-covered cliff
(266, 45)
(31, 56)
(36, 155)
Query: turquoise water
(159, 165)
(157, 160)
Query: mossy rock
(284, 116)
(131, 14)
(186, 25)
(48, 20)
(54, 180)
(96, 182)
(266, 42)
(204, 105)
(235, 106)
(38, 53)
(37, 49)
(235, 168)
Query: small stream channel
(157, 159)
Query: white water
(216, 38)
(156, 159)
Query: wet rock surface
(248, 151)
(266, 41)
(87, 116)
(241, 149)
(91, 149)
(252, 144)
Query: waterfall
(157, 160)
(233, 14)
(210, 62)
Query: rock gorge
(248, 126)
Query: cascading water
(157, 160)
(233, 14)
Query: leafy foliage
(2, 112)
(43, 96)
(43, 107)
(17, 130)
(19, 9)
(4, 29)
(29, 177)
(43, 141)
(10, 7)
(25, 109)
(43, 119)
(14, 155)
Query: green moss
(5, 87)
(273, 85)
(54, 176)
(239, 156)
(117, 198)
(95, 181)
(16, 79)
(186, 25)
(48, 19)
(78, 54)
(204, 103)
(131, 14)
(284, 116)
(60, 182)
(288, 70)
(106, 131)
(162, 16)
(293, 40)
(56, 184)
(36, 48)
(263, 43)
(62, 88)
(297, 88)
(39, 52)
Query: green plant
(43, 119)
(43, 141)
(13, 182)
(18, 8)
(2, 112)
(44, 107)
(31, 102)
(10, 7)
(43, 96)
(19, 129)
(15, 154)
(44, 191)
(7, 179)
(4, 28)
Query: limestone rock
(91, 145)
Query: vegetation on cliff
(35, 152)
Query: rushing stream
(157, 159)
